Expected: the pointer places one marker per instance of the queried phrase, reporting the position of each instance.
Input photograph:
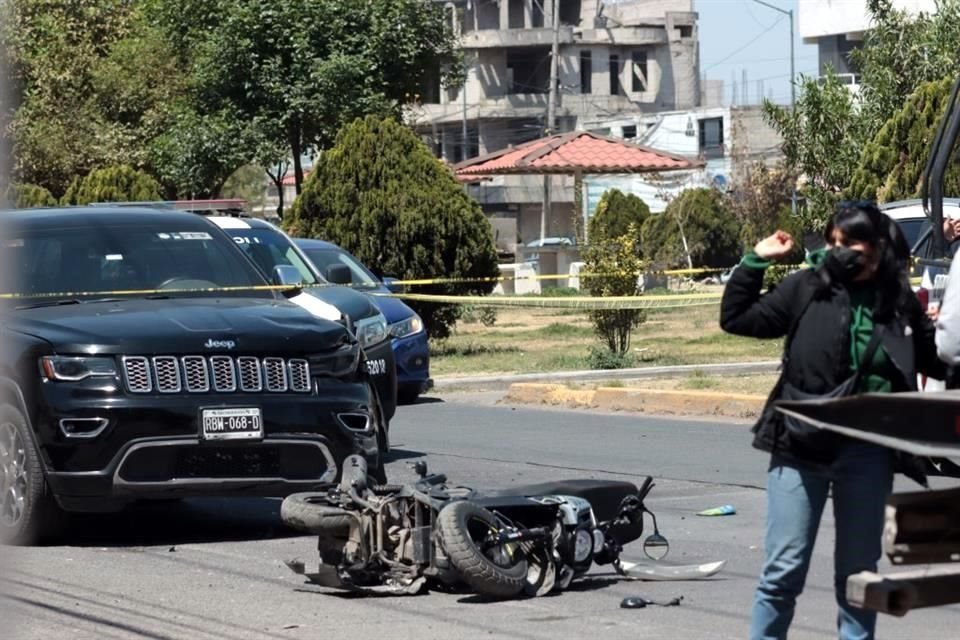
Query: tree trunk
(277, 179)
(296, 148)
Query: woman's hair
(862, 221)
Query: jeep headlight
(371, 331)
(406, 327)
(72, 369)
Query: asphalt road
(213, 568)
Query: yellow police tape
(560, 276)
(581, 303)
(585, 303)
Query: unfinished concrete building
(613, 57)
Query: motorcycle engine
(580, 538)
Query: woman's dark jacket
(819, 357)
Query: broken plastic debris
(639, 602)
(725, 510)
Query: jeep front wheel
(24, 500)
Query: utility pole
(793, 76)
(466, 146)
(551, 127)
(789, 13)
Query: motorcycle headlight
(72, 369)
(406, 327)
(371, 331)
(582, 545)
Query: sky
(738, 35)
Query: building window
(515, 18)
(570, 12)
(536, 15)
(528, 70)
(472, 147)
(586, 72)
(630, 131)
(615, 87)
(639, 75)
(686, 31)
(711, 138)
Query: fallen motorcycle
(405, 539)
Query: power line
(750, 42)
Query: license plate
(231, 424)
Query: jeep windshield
(68, 264)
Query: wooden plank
(899, 593)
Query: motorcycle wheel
(308, 512)
(495, 573)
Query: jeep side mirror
(339, 274)
(287, 275)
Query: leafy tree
(615, 212)
(112, 184)
(614, 260)
(197, 153)
(381, 194)
(57, 50)
(822, 140)
(246, 183)
(308, 67)
(760, 202)
(695, 230)
(892, 164)
(902, 51)
(27, 196)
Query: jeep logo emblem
(219, 344)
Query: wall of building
(819, 18)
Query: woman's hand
(775, 247)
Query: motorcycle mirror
(656, 546)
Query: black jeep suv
(147, 357)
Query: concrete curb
(657, 401)
(505, 381)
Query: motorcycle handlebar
(646, 487)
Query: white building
(721, 136)
(837, 28)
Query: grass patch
(699, 380)
(542, 340)
(564, 330)
(446, 349)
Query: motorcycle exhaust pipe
(353, 475)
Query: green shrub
(380, 194)
(615, 212)
(695, 230)
(616, 265)
(28, 196)
(120, 183)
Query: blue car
(410, 347)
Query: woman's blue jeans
(860, 479)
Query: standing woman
(852, 325)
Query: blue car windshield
(360, 276)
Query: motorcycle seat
(604, 496)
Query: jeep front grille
(219, 374)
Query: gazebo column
(581, 204)
(547, 205)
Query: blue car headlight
(371, 331)
(406, 327)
